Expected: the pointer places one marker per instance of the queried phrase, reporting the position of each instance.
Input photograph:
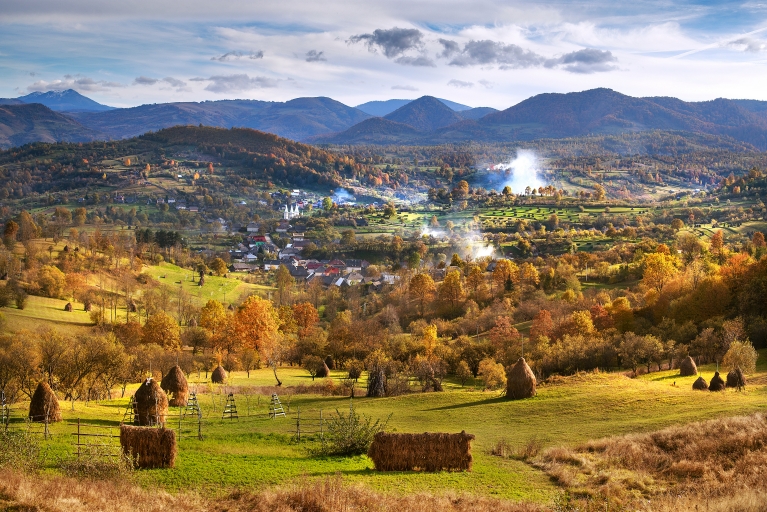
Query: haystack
(149, 447)
(700, 384)
(716, 384)
(219, 375)
(44, 405)
(68, 307)
(192, 322)
(175, 385)
(330, 363)
(736, 379)
(520, 381)
(687, 367)
(424, 452)
(322, 370)
(151, 403)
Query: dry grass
(19, 491)
(718, 461)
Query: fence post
(322, 436)
(179, 423)
(78, 438)
(298, 425)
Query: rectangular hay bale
(422, 452)
(149, 447)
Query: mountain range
(424, 121)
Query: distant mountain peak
(383, 108)
(65, 100)
(425, 114)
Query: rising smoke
(520, 172)
(341, 196)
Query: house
(289, 252)
(353, 278)
(356, 265)
(282, 227)
(389, 278)
(249, 258)
(242, 267)
(272, 264)
(253, 227)
(299, 273)
(297, 237)
(194, 209)
(258, 240)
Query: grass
(222, 289)
(42, 311)
(256, 452)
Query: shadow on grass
(486, 401)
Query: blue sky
(481, 53)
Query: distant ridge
(383, 108)
(22, 124)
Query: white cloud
(76, 82)
(404, 88)
(236, 55)
(223, 84)
(460, 84)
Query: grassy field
(223, 289)
(255, 452)
(44, 312)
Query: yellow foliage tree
(162, 330)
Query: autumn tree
(162, 330)
(451, 292)
(218, 266)
(256, 325)
(717, 246)
(659, 269)
(542, 325)
(422, 289)
(51, 281)
(505, 275)
(285, 283)
(213, 317)
(741, 354)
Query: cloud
(145, 80)
(588, 60)
(748, 44)
(236, 55)
(236, 83)
(76, 82)
(404, 88)
(486, 84)
(449, 48)
(487, 52)
(393, 42)
(460, 83)
(315, 56)
(415, 61)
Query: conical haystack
(176, 386)
(44, 404)
(520, 381)
(736, 379)
(151, 404)
(330, 363)
(322, 370)
(219, 375)
(687, 367)
(700, 384)
(716, 384)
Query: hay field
(257, 452)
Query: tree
(599, 192)
(451, 291)
(218, 266)
(741, 355)
(717, 245)
(389, 210)
(256, 325)
(463, 372)
(51, 281)
(659, 269)
(542, 325)
(312, 364)
(306, 318)
(492, 373)
(9, 233)
(327, 204)
(348, 238)
(422, 289)
(213, 317)
(285, 283)
(677, 224)
(162, 330)
(249, 360)
(505, 275)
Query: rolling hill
(25, 123)
(383, 108)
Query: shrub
(492, 373)
(20, 450)
(350, 434)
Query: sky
(482, 53)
